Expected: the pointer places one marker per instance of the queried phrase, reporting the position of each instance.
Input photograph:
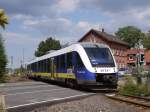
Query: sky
(31, 21)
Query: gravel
(96, 103)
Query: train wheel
(71, 83)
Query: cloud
(49, 16)
(33, 7)
(65, 6)
(84, 25)
(49, 25)
(38, 8)
(114, 6)
(20, 38)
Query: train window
(49, 65)
(36, 67)
(57, 62)
(62, 61)
(69, 60)
(44, 65)
(40, 66)
(32, 67)
(79, 61)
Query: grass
(13, 78)
(130, 88)
(4, 78)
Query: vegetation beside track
(15, 75)
(135, 89)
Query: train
(90, 65)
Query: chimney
(102, 30)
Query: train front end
(101, 72)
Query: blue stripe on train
(84, 74)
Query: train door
(79, 68)
(69, 63)
(53, 68)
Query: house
(134, 56)
(138, 55)
(117, 46)
(147, 59)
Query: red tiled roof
(107, 36)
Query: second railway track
(140, 101)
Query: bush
(131, 88)
(4, 78)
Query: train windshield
(100, 57)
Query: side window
(42, 66)
(69, 60)
(36, 67)
(45, 66)
(39, 66)
(57, 62)
(62, 61)
(79, 61)
(49, 65)
(32, 67)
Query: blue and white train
(85, 64)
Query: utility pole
(11, 64)
(139, 81)
(23, 57)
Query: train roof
(70, 48)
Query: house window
(121, 52)
(131, 57)
(117, 52)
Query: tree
(47, 45)
(146, 41)
(130, 34)
(3, 59)
(3, 19)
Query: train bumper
(101, 81)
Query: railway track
(140, 101)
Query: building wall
(147, 59)
(119, 51)
(133, 61)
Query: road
(32, 94)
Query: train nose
(106, 78)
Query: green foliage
(47, 45)
(130, 34)
(3, 19)
(3, 58)
(146, 41)
(131, 88)
(5, 78)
